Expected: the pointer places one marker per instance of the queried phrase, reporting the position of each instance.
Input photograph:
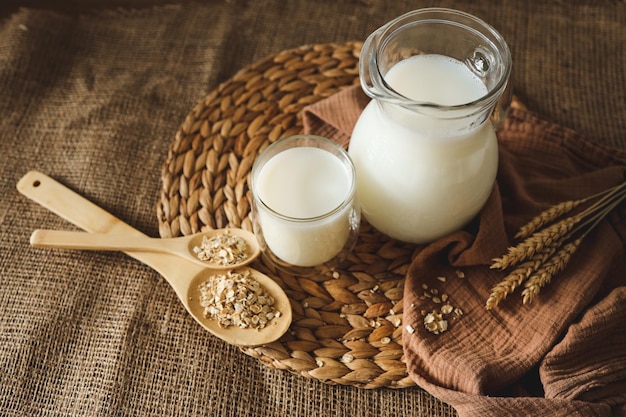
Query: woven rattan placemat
(347, 326)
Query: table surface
(93, 93)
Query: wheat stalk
(548, 245)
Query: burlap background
(94, 99)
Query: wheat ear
(548, 217)
(517, 276)
(545, 274)
(535, 243)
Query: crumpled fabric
(564, 354)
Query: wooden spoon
(179, 246)
(183, 276)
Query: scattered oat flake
(347, 358)
(443, 325)
(435, 323)
(385, 340)
(446, 309)
(409, 329)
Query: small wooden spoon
(183, 276)
(179, 246)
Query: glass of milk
(305, 213)
(425, 148)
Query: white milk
(303, 185)
(418, 178)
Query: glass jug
(425, 149)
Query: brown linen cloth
(563, 354)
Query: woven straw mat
(347, 323)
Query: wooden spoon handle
(65, 239)
(71, 206)
(83, 213)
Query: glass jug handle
(501, 109)
(368, 66)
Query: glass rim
(266, 155)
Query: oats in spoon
(237, 299)
(222, 249)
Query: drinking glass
(305, 213)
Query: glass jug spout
(444, 32)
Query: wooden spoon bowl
(235, 335)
